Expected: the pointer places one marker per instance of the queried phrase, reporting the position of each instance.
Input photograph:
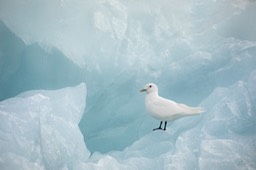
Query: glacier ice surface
(39, 129)
(199, 52)
(222, 138)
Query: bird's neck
(152, 94)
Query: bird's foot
(159, 128)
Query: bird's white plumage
(165, 109)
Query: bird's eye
(150, 86)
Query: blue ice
(71, 71)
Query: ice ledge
(41, 128)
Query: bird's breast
(154, 109)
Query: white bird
(164, 109)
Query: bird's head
(150, 88)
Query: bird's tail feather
(197, 110)
(192, 110)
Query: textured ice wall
(222, 138)
(39, 129)
(189, 48)
(28, 67)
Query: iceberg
(39, 129)
(222, 138)
(198, 52)
(29, 67)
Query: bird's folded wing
(177, 108)
(169, 106)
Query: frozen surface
(222, 138)
(198, 52)
(25, 67)
(39, 130)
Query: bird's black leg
(165, 123)
(160, 127)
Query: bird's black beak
(142, 90)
